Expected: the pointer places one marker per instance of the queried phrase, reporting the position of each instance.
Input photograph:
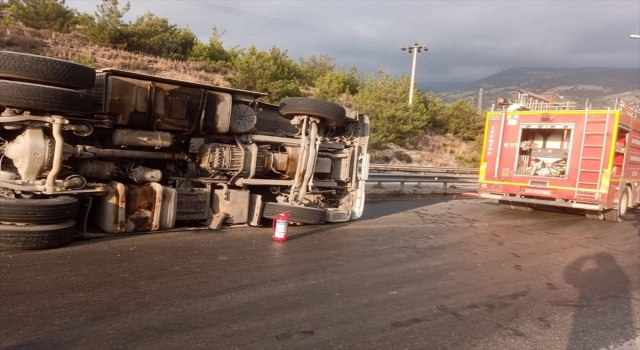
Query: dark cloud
(467, 40)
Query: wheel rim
(624, 203)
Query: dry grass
(428, 150)
(74, 47)
(442, 150)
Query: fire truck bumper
(553, 203)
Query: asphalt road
(425, 274)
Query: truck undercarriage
(120, 151)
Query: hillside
(74, 48)
(600, 86)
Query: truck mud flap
(83, 216)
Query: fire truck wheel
(38, 211)
(505, 204)
(45, 70)
(617, 215)
(522, 207)
(29, 96)
(15, 237)
(594, 215)
(514, 206)
(304, 215)
(331, 113)
(624, 201)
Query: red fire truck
(540, 154)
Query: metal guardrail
(420, 169)
(418, 179)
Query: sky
(466, 40)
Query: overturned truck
(116, 151)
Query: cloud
(467, 40)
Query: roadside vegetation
(381, 96)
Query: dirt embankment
(428, 150)
(74, 47)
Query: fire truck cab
(540, 154)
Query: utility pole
(480, 101)
(413, 49)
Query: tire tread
(333, 114)
(37, 236)
(42, 97)
(46, 70)
(38, 211)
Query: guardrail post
(445, 187)
(401, 186)
(418, 185)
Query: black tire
(514, 205)
(594, 215)
(331, 113)
(46, 70)
(612, 215)
(505, 204)
(14, 237)
(297, 213)
(38, 211)
(617, 215)
(29, 96)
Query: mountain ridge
(598, 87)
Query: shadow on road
(377, 210)
(603, 312)
(636, 221)
(319, 229)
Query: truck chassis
(118, 151)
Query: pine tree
(42, 14)
(107, 27)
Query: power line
(436, 73)
(435, 59)
(415, 49)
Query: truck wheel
(331, 113)
(616, 215)
(14, 237)
(505, 204)
(297, 213)
(46, 70)
(38, 211)
(514, 205)
(594, 215)
(29, 96)
(522, 207)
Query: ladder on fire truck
(592, 154)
